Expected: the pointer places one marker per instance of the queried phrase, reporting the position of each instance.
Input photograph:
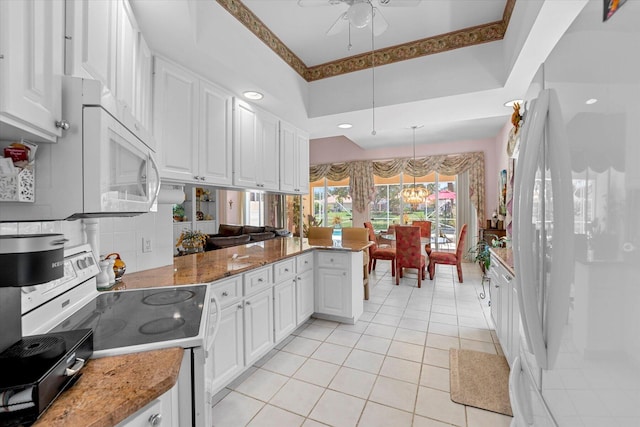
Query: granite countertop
(505, 257)
(213, 265)
(113, 388)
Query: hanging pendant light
(414, 195)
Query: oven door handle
(69, 372)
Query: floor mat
(480, 379)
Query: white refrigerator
(576, 238)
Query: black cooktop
(135, 317)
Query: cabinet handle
(507, 278)
(260, 280)
(286, 270)
(239, 305)
(202, 178)
(248, 302)
(155, 420)
(63, 124)
(331, 260)
(196, 177)
(344, 274)
(497, 286)
(225, 294)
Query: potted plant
(192, 241)
(480, 251)
(178, 213)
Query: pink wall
(342, 149)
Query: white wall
(121, 235)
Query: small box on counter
(17, 172)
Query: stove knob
(28, 289)
(81, 263)
(89, 261)
(155, 420)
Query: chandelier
(414, 195)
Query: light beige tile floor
(389, 369)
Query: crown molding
(466, 37)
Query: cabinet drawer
(332, 259)
(284, 270)
(228, 291)
(304, 262)
(257, 280)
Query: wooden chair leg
(432, 269)
(459, 272)
(393, 268)
(419, 278)
(374, 263)
(398, 275)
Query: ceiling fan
(360, 13)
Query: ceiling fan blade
(399, 3)
(339, 25)
(314, 3)
(380, 24)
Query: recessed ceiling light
(591, 101)
(513, 101)
(253, 95)
(345, 125)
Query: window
(439, 207)
(330, 204)
(254, 212)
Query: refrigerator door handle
(561, 271)
(519, 408)
(524, 237)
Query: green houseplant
(480, 251)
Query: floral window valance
(360, 173)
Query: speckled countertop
(213, 265)
(505, 256)
(113, 388)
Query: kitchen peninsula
(209, 266)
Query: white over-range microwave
(98, 168)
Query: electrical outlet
(146, 244)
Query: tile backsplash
(121, 235)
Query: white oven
(131, 321)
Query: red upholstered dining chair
(425, 232)
(449, 258)
(376, 253)
(408, 251)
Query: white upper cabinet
(255, 148)
(294, 160)
(175, 121)
(192, 123)
(91, 40)
(31, 66)
(105, 44)
(214, 154)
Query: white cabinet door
(304, 296)
(175, 115)
(284, 308)
(127, 45)
(302, 162)
(256, 150)
(228, 348)
(244, 145)
(32, 50)
(91, 40)
(294, 160)
(268, 151)
(143, 85)
(258, 326)
(288, 151)
(158, 412)
(214, 153)
(332, 292)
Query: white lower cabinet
(504, 308)
(284, 308)
(258, 326)
(305, 296)
(339, 289)
(159, 412)
(228, 348)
